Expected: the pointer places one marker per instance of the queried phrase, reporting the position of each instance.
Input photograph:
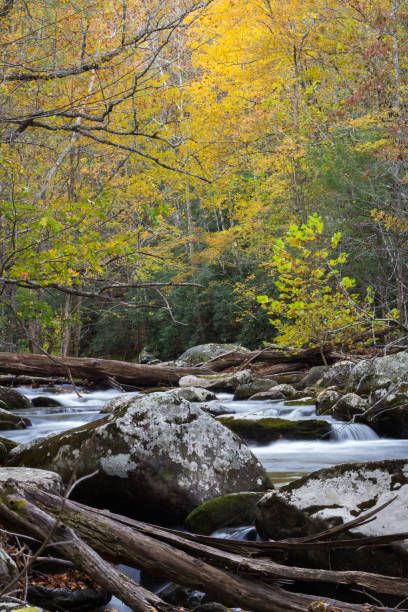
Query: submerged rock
(217, 381)
(10, 399)
(157, 456)
(204, 352)
(265, 430)
(245, 391)
(231, 510)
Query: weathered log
(234, 578)
(30, 364)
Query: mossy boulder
(245, 391)
(204, 352)
(266, 430)
(10, 399)
(380, 372)
(158, 457)
(231, 510)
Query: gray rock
(349, 406)
(195, 394)
(204, 352)
(13, 400)
(312, 377)
(326, 400)
(266, 430)
(215, 408)
(371, 374)
(217, 381)
(8, 421)
(157, 455)
(117, 402)
(245, 391)
(8, 569)
(43, 479)
(338, 375)
(275, 393)
(235, 509)
(42, 401)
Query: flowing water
(285, 460)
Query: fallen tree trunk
(235, 578)
(101, 370)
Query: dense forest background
(153, 154)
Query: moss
(304, 401)
(229, 510)
(272, 429)
(166, 474)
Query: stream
(284, 460)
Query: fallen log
(235, 578)
(28, 364)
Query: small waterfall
(340, 432)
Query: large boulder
(379, 372)
(388, 414)
(346, 491)
(204, 352)
(338, 375)
(157, 456)
(312, 377)
(266, 430)
(10, 399)
(228, 381)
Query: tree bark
(94, 369)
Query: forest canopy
(154, 155)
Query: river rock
(71, 600)
(204, 352)
(312, 377)
(348, 406)
(8, 421)
(43, 479)
(326, 400)
(275, 393)
(8, 569)
(266, 430)
(231, 510)
(229, 381)
(349, 490)
(10, 399)
(195, 394)
(42, 401)
(388, 414)
(245, 391)
(379, 372)
(338, 375)
(157, 456)
(215, 408)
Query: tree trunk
(94, 369)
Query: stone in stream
(195, 394)
(266, 430)
(42, 401)
(10, 399)
(349, 406)
(231, 510)
(229, 381)
(340, 494)
(245, 391)
(204, 352)
(275, 393)
(326, 400)
(9, 421)
(215, 408)
(158, 457)
(379, 372)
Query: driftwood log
(101, 370)
(244, 574)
